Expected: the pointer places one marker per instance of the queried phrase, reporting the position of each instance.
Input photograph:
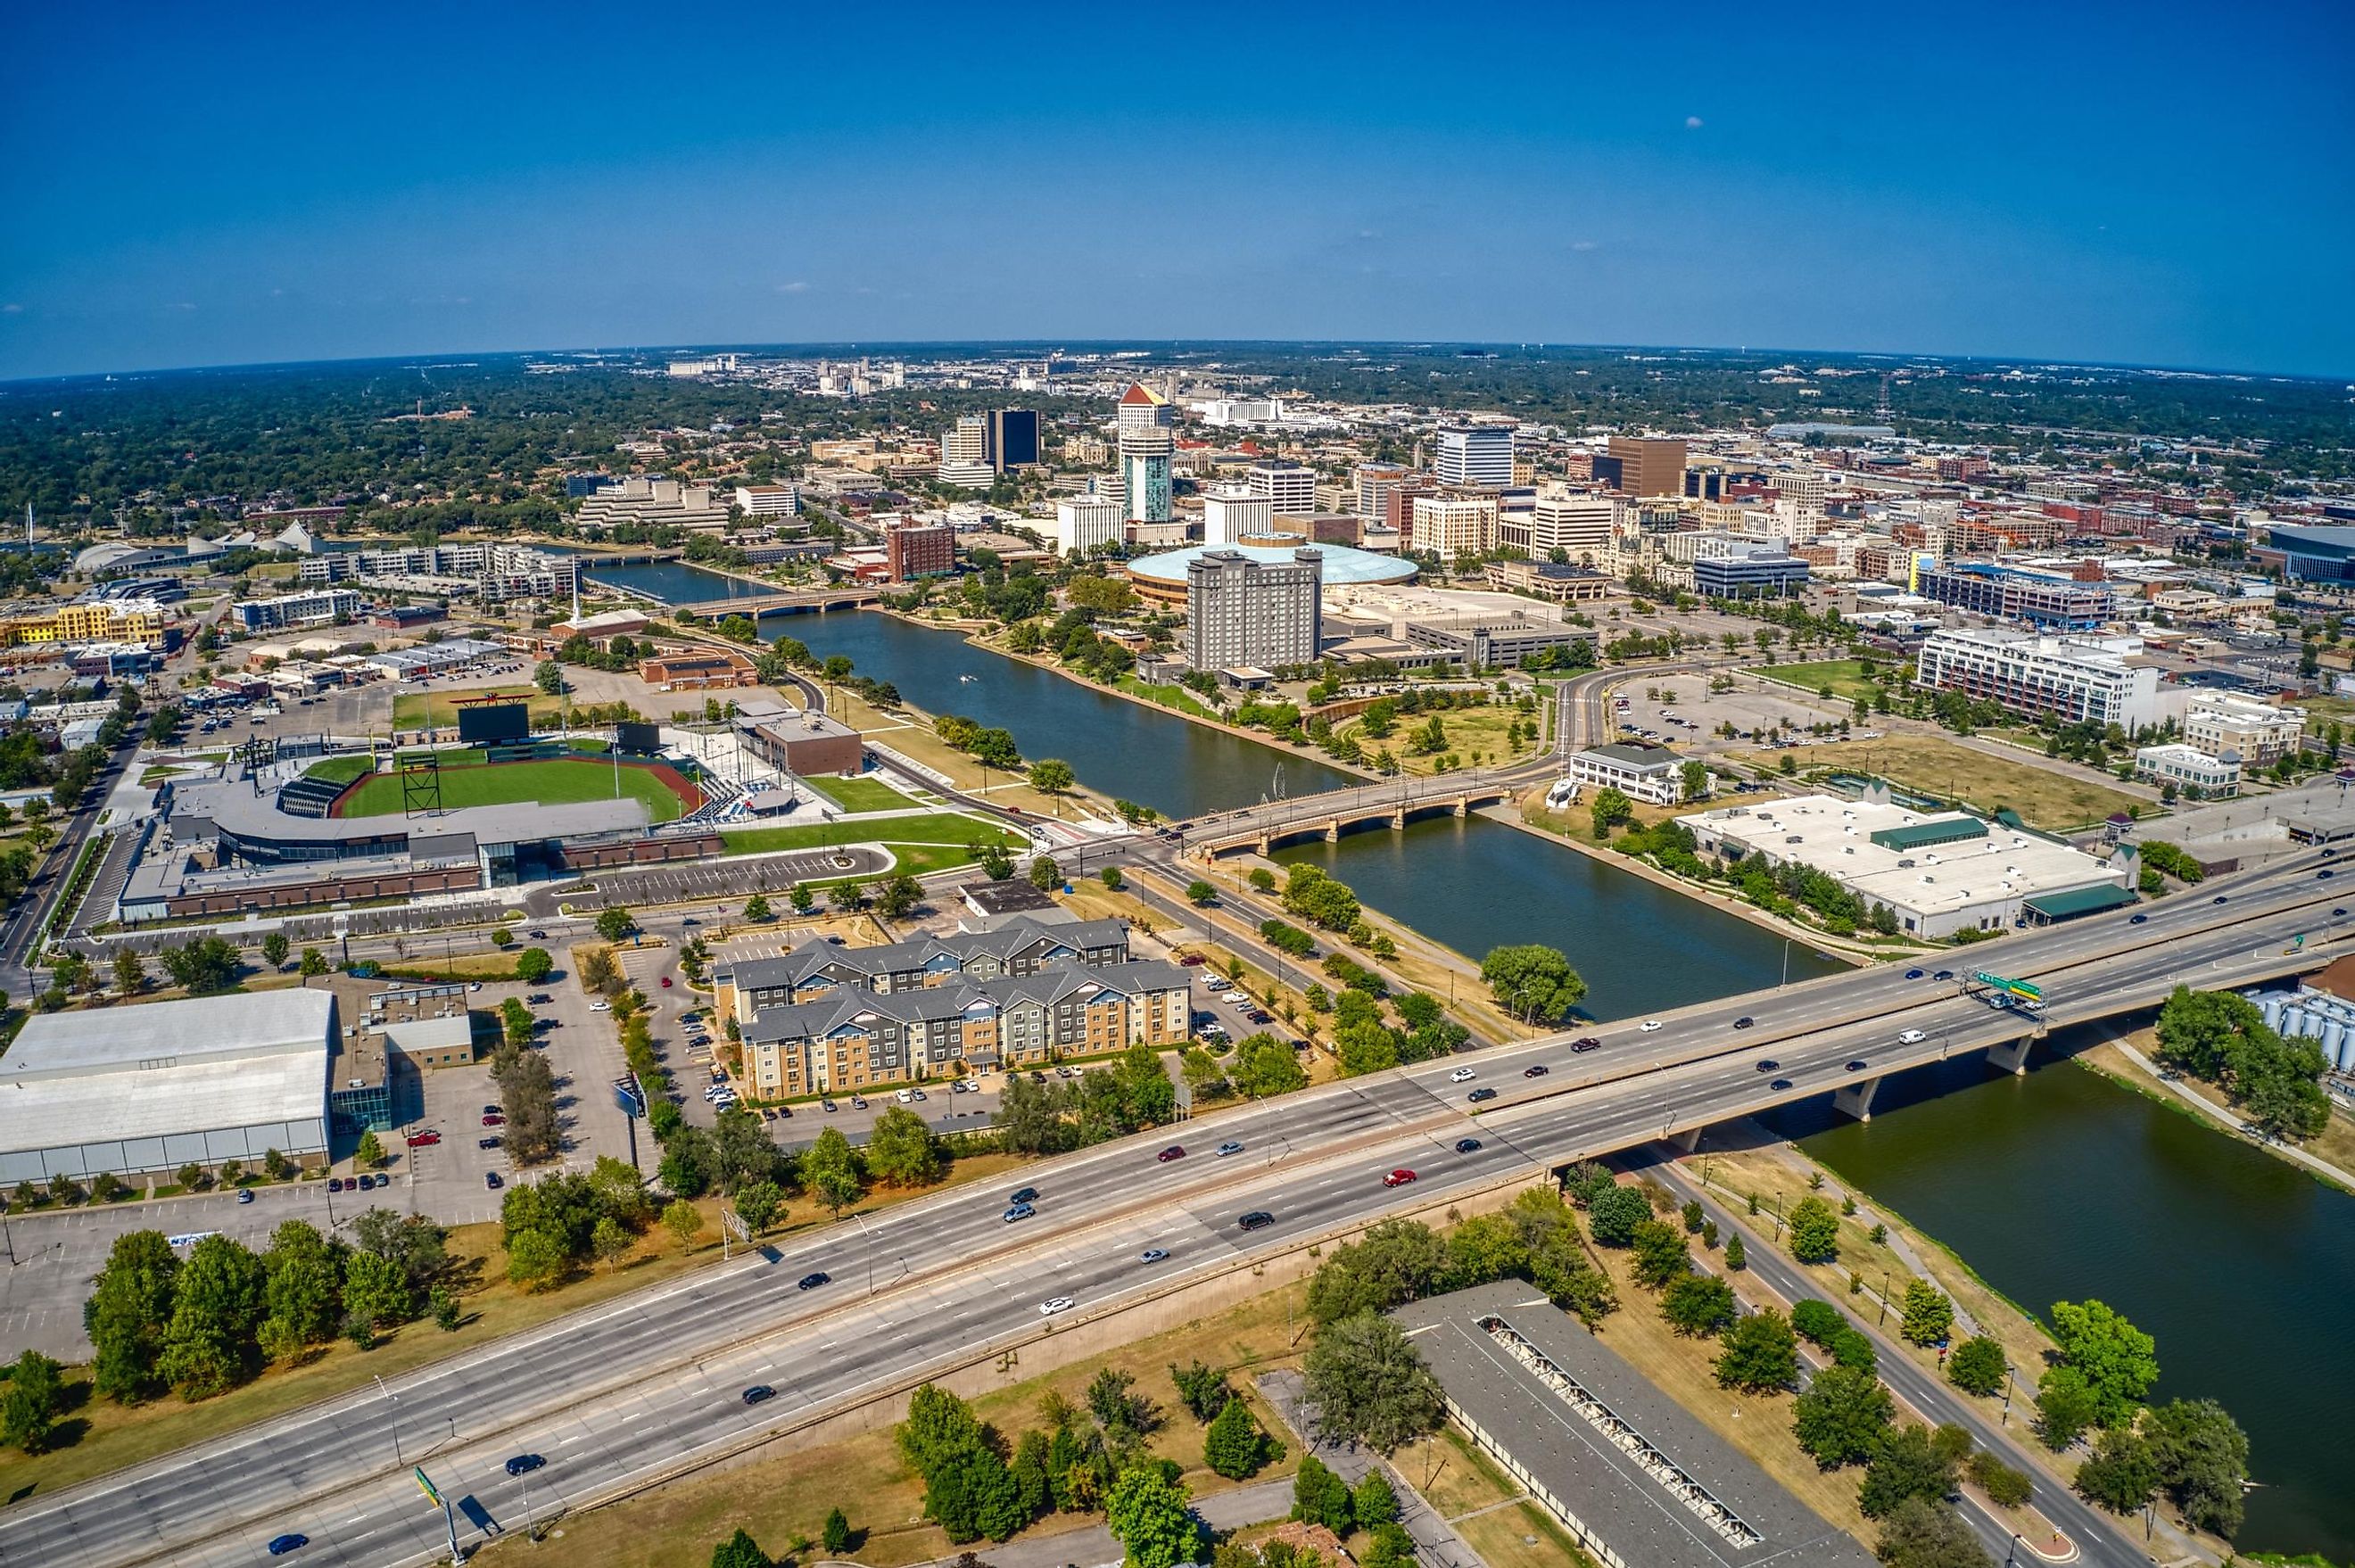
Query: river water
(2057, 1186)
(674, 582)
(2062, 1185)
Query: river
(2062, 1185)
(674, 583)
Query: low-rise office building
(1650, 773)
(1938, 872)
(2197, 773)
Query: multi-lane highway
(629, 1389)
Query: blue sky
(190, 185)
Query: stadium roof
(231, 805)
(1343, 565)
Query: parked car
(335, 1184)
(424, 1140)
(244, 1195)
(491, 1179)
(492, 1142)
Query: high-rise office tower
(1579, 523)
(1649, 465)
(1013, 438)
(1146, 441)
(1290, 487)
(1475, 454)
(1231, 514)
(1374, 482)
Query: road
(627, 1389)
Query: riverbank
(2127, 1058)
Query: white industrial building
(1939, 873)
(162, 1084)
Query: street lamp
(395, 1401)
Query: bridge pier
(1856, 1099)
(1688, 1140)
(2012, 1055)
(1398, 820)
(1462, 805)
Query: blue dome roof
(1344, 564)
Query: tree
(898, 897)
(2122, 1472)
(1262, 879)
(684, 1221)
(34, 1398)
(1928, 1314)
(608, 1242)
(537, 1258)
(1660, 1256)
(533, 965)
(548, 675)
(1842, 1417)
(1113, 879)
(1698, 1305)
(758, 1204)
(1199, 892)
(757, 907)
(273, 949)
(1760, 1354)
(902, 1150)
(1609, 808)
(2117, 1361)
(615, 923)
(2065, 1405)
(130, 1306)
(1234, 1446)
(1737, 1257)
(1031, 1469)
(835, 1536)
(1977, 1365)
(370, 1150)
(217, 1302)
(829, 1172)
(1050, 775)
(314, 964)
(1203, 1390)
(130, 975)
(205, 967)
(2203, 1458)
(740, 1551)
(1321, 1496)
(2004, 1486)
(1915, 1462)
(1815, 1230)
(1375, 1501)
(1044, 872)
(1266, 1066)
(304, 1289)
(1367, 1383)
(801, 898)
(1147, 1513)
(1614, 1214)
(1919, 1534)
(1816, 1321)
(376, 1291)
(1534, 984)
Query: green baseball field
(547, 782)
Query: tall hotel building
(1147, 443)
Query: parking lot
(1751, 706)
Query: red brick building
(919, 550)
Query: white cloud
(181, 304)
(1585, 244)
(1692, 121)
(12, 308)
(795, 287)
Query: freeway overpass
(647, 1384)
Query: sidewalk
(1437, 1544)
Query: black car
(1780, 1084)
(2138, 919)
(1535, 1070)
(1257, 1219)
(2218, 899)
(758, 1392)
(812, 1281)
(1025, 1195)
(525, 1464)
(1467, 1146)
(1744, 1021)
(1583, 1044)
(1767, 1065)
(2322, 876)
(487, 1143)
(1943, 975)
(1856, 1066)
(1479, 1096)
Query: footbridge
(1257, 829)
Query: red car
(1173, 1152)
(1397, 1177)
(495, 1120)
(665, 980)
(420, 1140)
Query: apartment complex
(2008, 593)
(312, 607)
(1450, 523)
(913, 550)
(2080, 681)
(827, 1020)
(1242, 614)
(1475, 454)
(1146, 441)
(105, 621)
(2226, 724)
(490, 572)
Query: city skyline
(249, 195)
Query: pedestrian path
(1437, 1544)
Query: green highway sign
(2024, 988)
(425, 1485)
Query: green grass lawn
(860, 794)
(339, 770)
(558, 782)
(1845, 676)
(946, 829)
(1168, 695)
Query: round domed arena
(1161, 578)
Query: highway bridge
(647, 1386)
(781, 603)
(1329, 813)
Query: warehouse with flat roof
(163, 1085)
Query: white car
(1912, 1037)
(1651, 1024)
(906, 1096)
(1060, 1304)
(1462, 1076)
(1237, 999)
(601, 1007)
